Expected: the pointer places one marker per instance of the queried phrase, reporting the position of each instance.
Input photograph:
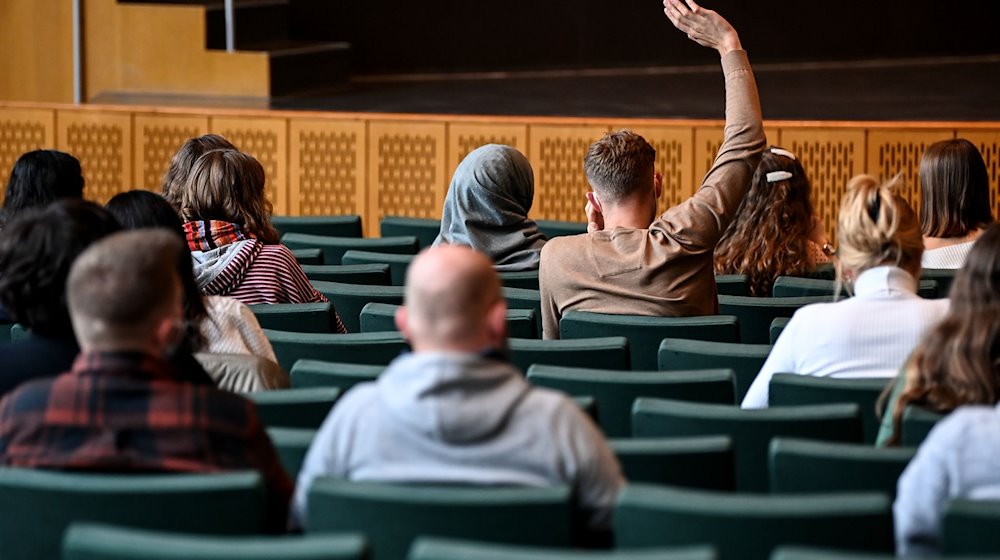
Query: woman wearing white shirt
(872, 333)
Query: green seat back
(644, 334)
(751, 430)
(367, 348)
(969, 527)
(393, 515)
(37, 506)
(378, 317)
(431, 548)
(520, 298)
(556, 228)
(794, 286)
(334, 247)
(744, 359)
(806, 553)
(942, 276)
(327, 226)
(588, 405)
(695, 462)
(350, 299)
(749, 527)
(616, 390)
(103, 542)
(367, 274)
(789, 389)
(917, 423)
(777, 326)
(5, 331)
(610, 352)
(18, 332)
(524, 279)
(732, 284)
(291, 444)
(308, 256)
(296, 317)
(425, 230)
(295, 408)
(756, 313)
(397, 263)
(804, 466)
(314, 373)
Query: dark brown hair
(954, 190)
(619, 164)
(180, 166)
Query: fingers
(693, 6)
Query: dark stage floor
(940, 89)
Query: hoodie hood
(453, 397)
(220, 270)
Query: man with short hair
(454, 410)
(629, 264)
(121, 407)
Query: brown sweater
(666, 269)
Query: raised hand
(595, 219)
(703, 26)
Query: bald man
(454, 410)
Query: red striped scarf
(205, 235)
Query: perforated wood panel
(406, 169)
(267, 140)
(23, 130)
(988, 143)
(674, 160)
(327, 168)
(830, 158)
(899, 151)
(157, 139)
(465, 137)
(556, 153)
(103, 144)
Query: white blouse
(949, 256)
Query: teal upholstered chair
(789, 389)
(610, 352)
(732, 284)
(744, 359)
(327, 226)
(308, 256)
(969, 527)
(397, 263)
(316, 373)
(432, 548)
(806, 466)
(524, 279)
(296, 317)
(367, 274)
(334, 247)
(377, 317)
(350, 299)
(425, 230)
(756, 313)
(366, 348)
(291, 444)
(555, 228)
(295, 408)
(696, 462)
(917, 423)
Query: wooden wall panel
(23, 130)
(103, 144)
(465, 137)
(674, 160)
(407, 173)
(157, 139)
(327, 168)
(36, 50)
(988, 142)
(556, 153)
(267, 140)
(899, 151)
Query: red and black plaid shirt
(126, 412)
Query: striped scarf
(205, 235)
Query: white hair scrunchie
(775, 176)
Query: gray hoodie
(447, 417)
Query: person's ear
(169, 332)
(657, 184)
(496, 322)
(595, 202)
(401, 318)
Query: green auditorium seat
(794, 286)
(756, 313)
(616, 390)
(86, 541)
(367, 274)
(644, 334)
(424, 229)
(350, 299)
(18, 332)
(744, 359)
(392, 515)
(5, 331)
(314, 373)
(789, 389)
(295, 408)
(804, 466)
(588, 405)
(524, 279)
(751, 430)
(296, 317)
(609, 352)
(334, 247)
(520, 298)
(969, 527)
(777, 326)
(308, 256)
(917, 423)
(363, 348)
(36, 506)
(292, 444)
(397, 263)
(807, 553)
(732, 284)
(749, 527)
(376, 317)
(695, 462)
(432, 548)
(942, 276)
(327, 226)
(555, 228)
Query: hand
(595, 219)
(703, 26)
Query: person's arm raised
(705, 27)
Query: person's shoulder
(564, 247)
(277, 252)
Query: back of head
(38, 178)
(619, 165)
(877, 227)
(183, 161)
(954, 190)
(138, 209)
(122, 287)
(228, 185)
(498, 176)
(37, 249)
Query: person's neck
(939, 242)
(628, 215)
(122, 348)
(451, 347)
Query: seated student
(775, 232)
(125, 300)
(176, 177)
(455, 410)
(872, 333)
(37, 248)
(487, 208)
(628, 263)
(38, 178)
(958, 362)
(955, 201)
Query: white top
(950, 256)
(868, 335)
(231, 328)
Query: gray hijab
(487, 208)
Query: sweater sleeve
(550, 310)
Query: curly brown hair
(183, 161)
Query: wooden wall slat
(556, 153)
(103, 142)
(267, 140)
(407, 173)
(988, 143)
(157, 139)
(23, 130)
(328, 172)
